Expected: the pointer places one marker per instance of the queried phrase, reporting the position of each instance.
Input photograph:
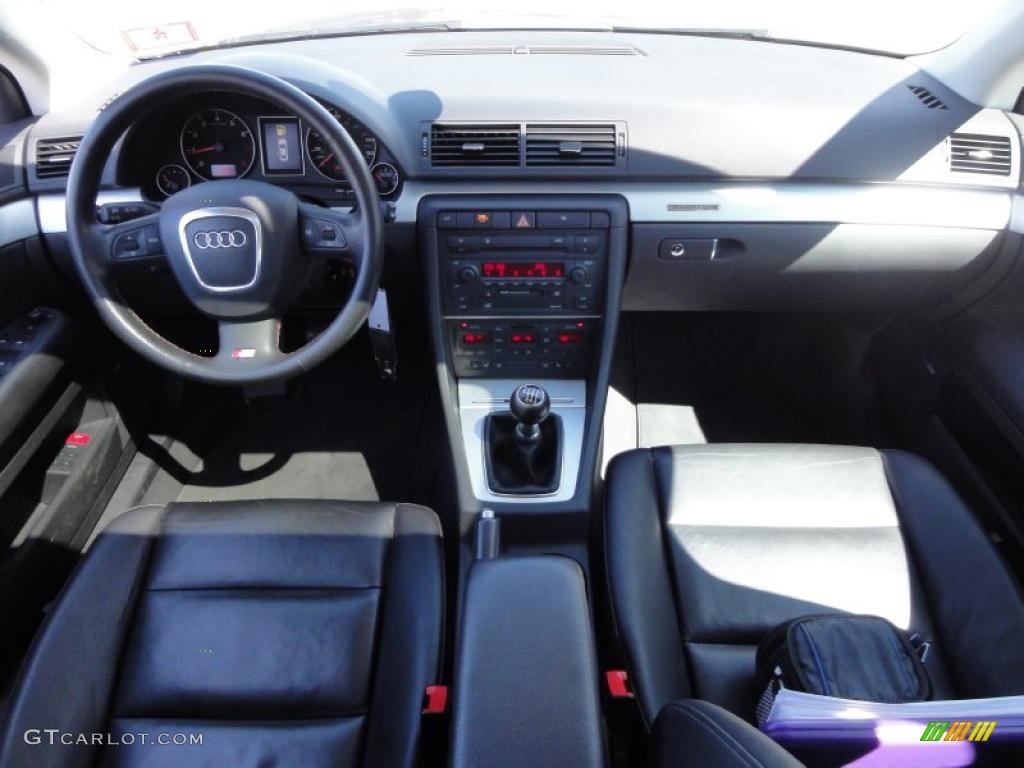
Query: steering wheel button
(151, 237)
(130, 245)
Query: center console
(522, 289)
(526, 675)
(524, 294)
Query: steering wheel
(239, 249)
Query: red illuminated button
(618, 684)
(78, 438)
(570, 338)
(523, 338)
(474, 338)
(435, 700)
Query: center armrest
(526, 679)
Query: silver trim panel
(1017, 215)
(479, 397)
(17, 222)
(769, 202)
(52, 210)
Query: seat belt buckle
(435, 700)
(618, 684)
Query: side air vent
(927, 98)
(980, 153)
(54, 156)
(479, 145)
(576, 145)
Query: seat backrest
(283, 632)
(711, 546)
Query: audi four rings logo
(225, 238)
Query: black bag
(850, 657)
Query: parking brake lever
(488, 535)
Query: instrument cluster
(235, 137)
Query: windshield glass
(142, 28)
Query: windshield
(143, 28)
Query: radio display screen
(521, 269)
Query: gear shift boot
(520, 467)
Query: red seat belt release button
(78, 438)
(435, 700)
(618, 684)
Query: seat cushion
(711, 546)
(693, 734)
(284, 632)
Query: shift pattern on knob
(531, 394)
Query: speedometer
(217, 144)
(322, 157)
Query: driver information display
(282, 147)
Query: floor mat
(681, 378)
(344, 433)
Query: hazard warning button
(524, 220)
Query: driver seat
(285, 633)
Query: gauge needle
(324, 162)
(200, 150)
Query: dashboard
(823, 178)
(224, 136)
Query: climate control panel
(521, 347)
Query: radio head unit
(522, 262)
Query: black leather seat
(708, 547)
(286, 633)
(695, 734)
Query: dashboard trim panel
(17, 222)
(767, 202)
(706, 202)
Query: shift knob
(530, 405)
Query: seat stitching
(716, 730)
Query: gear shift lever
(530, 405)
(524, 444)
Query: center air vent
(583, 50)
(479, 145)
(577, 145)
(54, 156)
(465, 50)
(980, 153)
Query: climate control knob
(578, 274)
(468, 275)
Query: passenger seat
(708, 547)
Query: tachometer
(217, 144)
(322, 157)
